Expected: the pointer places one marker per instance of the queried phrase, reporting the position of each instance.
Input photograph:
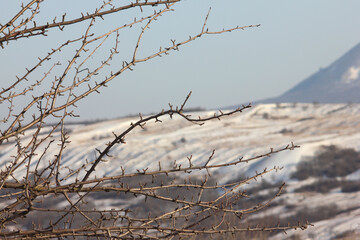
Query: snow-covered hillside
(337, 83)
(247, 134)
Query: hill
(338, 83)
(247, 134)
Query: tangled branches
(42, 197)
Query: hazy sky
(295, 39)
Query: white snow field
(246, 134)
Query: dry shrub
(45, 197)
(329, 161)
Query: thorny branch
(15, 34)
(42, 198)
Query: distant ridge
(338, 83)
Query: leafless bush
(330, 161)
(304, 214)
(42, 197)
(326, 185)
(350, 186)
(320, 186)
(348, 235)
(315, 214)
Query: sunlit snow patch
(350, 75)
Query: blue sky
(295, 39)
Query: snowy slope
(337, 83)
(246, 134)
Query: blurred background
(295, 40)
